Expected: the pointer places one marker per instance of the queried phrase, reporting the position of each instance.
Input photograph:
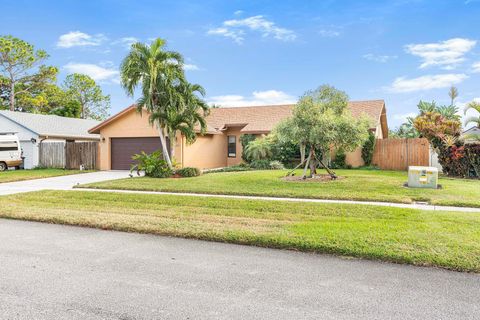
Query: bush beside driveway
(444, 239)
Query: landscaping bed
(362, 185)
(444, 239)
(21, 175)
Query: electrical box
(422, 177)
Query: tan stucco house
(129, 132)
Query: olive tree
(321, 121)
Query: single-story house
(129, 132)
(469, 133)
(34, 129)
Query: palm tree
(473, 119)
(188, 112)
(453, 94)
(157, 71)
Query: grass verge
(22, 175)
(363, 185)
(444, 239)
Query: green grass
(445, 239)
(357, 185)
(21, 175)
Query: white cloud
(428, 82)
(329, 33)
(378, 58)
(190, 67)
(476, 67)
(235, 29)
(258, 98)
(126, 41)
(79, 39)
(96, 72)
(402, 117)
(446, 54)
(238, 12)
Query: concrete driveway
(59, 272)
(60, 183)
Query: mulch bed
(316, 178)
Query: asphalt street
(60, 272)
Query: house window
(232, 146)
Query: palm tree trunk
(163, 141)
(173, 142)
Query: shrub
(245, 139)
(240, 167)
(276, 165)
(259, 149)
(189, 172)
(340, 160)
(367, 149)
(266, 165)
(153, 165)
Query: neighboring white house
(34, 129)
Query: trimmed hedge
(189, 172)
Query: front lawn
(444, 239)
(20, 175)
(358, 185)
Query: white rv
(10, 151)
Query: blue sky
(270, 52)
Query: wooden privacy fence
(398, 154)
(68, 155)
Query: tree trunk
(313, 166)
(302, 153)
(163, 141)
(304, 176)
(12, 95)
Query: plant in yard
(187, 111)
(83, 89)
(17, 60)
(152, 164)
(321, 120)
(368, 148)
(245, 139)
(474, 105)
(173, 103)
(259, 149)
(188, 172)
(339, 162)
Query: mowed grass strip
(445, 239)
(366, 185)
(22, 175)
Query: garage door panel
(122, 150)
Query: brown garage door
(124, 148)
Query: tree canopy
(321, 121)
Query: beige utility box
(422, 177)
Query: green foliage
(367, 149)
(18, 73)
(188, 172)
(259, 149)
(339, 161)
(153, 165)
(321, 120)
(473, 105)
(82, 88)
(71, 109)
(266, 165)
(245, 139)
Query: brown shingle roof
(261, 119)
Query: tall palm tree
(474, 105)
(453, 94)
(157, 71)
(187, 113)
